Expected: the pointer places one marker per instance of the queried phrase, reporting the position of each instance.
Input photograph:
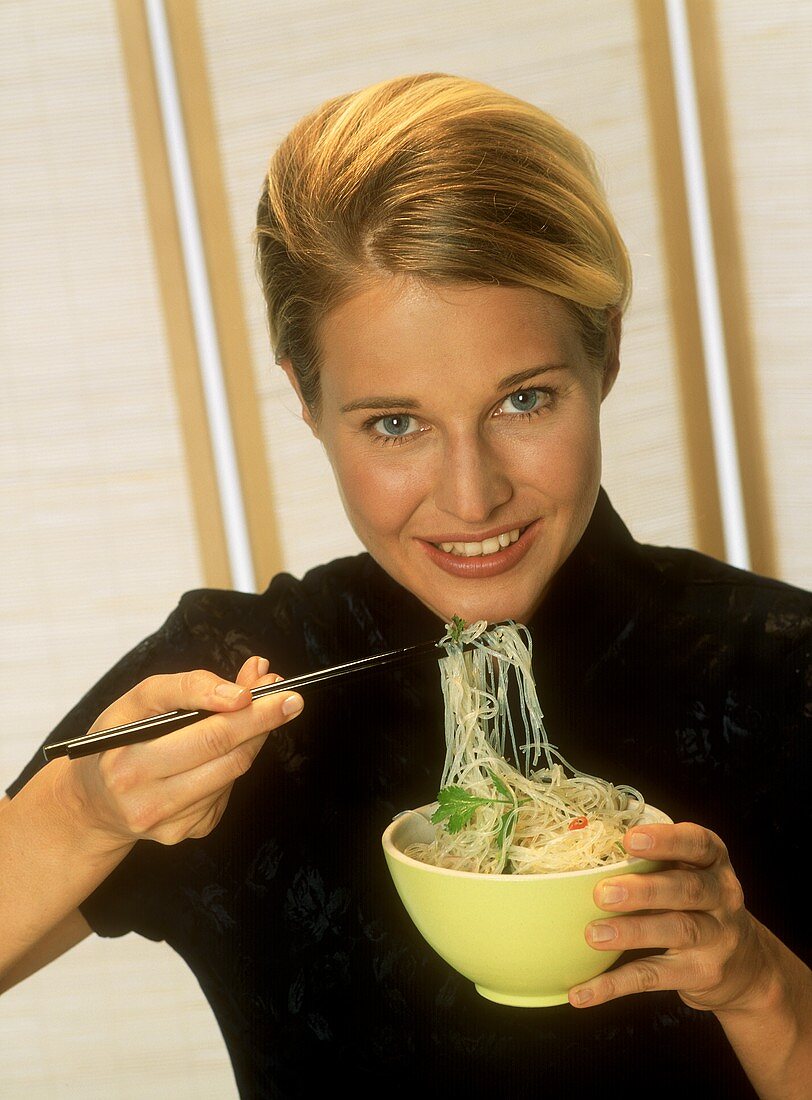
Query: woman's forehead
(405, 329)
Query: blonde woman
(445, 286)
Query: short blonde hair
(438, 177)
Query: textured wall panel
(768, 83)
(96, 536)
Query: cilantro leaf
(456, 628)
(499, 784)
(456, 807)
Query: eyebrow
(395, 402)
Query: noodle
(493, 817)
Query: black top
(657, 667)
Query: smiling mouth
(482, 549)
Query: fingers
(238, 720)
(195, 690)
(693, 912)
(672, 930)
(253, 670)
(676, 889)
(226, 734)
(640, 976)
(684, 843)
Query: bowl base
(518, 1000)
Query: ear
(612, 364)
(307, 416)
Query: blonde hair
(441, 178)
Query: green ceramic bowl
(519, 938)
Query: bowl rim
(622, 866)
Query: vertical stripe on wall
(725, 448)
(218, 242)
(735, 306)
(171, 276)
(685, 321)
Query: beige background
(108, 509)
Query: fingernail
(229, 691)
(582, 996)
(600, 933)
(611, 894)
(263, 665)
(639, 841)
(292, 705)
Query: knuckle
(168, 835)
(732, 893)
(216, 739)
(729, 941)
(647, 976)
(142, 818)
(117, 772)
(709, 972)
(609, 986)
(647, 890)
(197, 682)
(241, 759)
(698, 841)
(688, 930)
(693, 888)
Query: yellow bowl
(519, 938)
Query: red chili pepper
(578, 823)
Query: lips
(482, 566)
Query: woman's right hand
(176, 786)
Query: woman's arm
(718, 957)
(772, 1034)
(46, 872)
(76, 820)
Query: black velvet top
(660, 668)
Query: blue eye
(521, 401)
(394, 426)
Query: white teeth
(481, 549)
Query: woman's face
(462, 423)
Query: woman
(445, 286)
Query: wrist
(78, 816)
(770, 1027)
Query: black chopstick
(148, 728)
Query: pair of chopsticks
(160, 724)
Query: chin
(492, 610)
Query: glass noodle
(492, 817)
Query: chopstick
(146, 729)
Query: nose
(472, 481)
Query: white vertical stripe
(713, 342)
(228, 480)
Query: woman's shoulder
(705, 586)
(318, 589)
(293, 619)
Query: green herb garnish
(456, 806)
(455, 629)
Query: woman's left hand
(714, 954)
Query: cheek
(379, 491)
(567, 460)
